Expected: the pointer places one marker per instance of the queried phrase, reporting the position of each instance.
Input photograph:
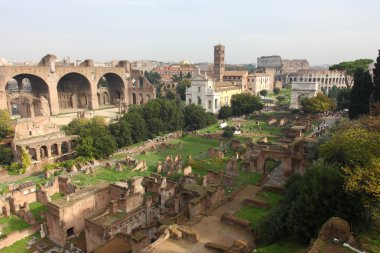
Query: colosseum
(326, 78)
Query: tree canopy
(318, 104)
(5, 124)
(153, 77)
(181, 88)
(360, 94)
(244, 104)
(349, 68)
(196, 117)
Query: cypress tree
(360, 94)
(376, 80)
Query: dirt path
(212, 230)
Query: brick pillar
(59, 149)
(53, 98)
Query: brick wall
(18, 235)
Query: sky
(323, 31)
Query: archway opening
(54, 150)
(33, 154)
(270, 164)
(65, 147)
(74, 92)
(27, 96)
(111, 89)
(43, 152)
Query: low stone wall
(256, 203)
(216, 247)
(189, 234)
(231, 219)
(164, 236)
(18, 235)
(274, 189)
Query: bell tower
(218, 62)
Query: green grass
(285, 246)
(270, 164)
(56, 196)
(106, 175)
(36, 208)
(270, 197)
(252, 214)
(371, 239)
(19, 246)
(247, 178)
(37, 179)
(12, 223)
(191, 145)
(210, 129)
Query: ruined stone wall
(19, 199)
(18, 235)
(62, 217)
(95, 236)
(49, 75)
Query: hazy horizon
(323, 32)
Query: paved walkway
(329, 121)
(212, 230)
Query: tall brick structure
(219, 62)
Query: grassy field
(12, 223)
(56, 196)
(285, 246)
(371, 239)
(19, 246)
(37, 179)
(36, 208)
(254, 214)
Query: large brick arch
(284, 157)
(51, 75)
(74, 92)
(39, 86)
(117, 90)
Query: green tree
(352, 147)
(376, 80)
(181, 88)
(276, 90)
(365, 181)
(26, 161)
(333, 93)
(264, 93)
(122, 133)
(225, 112)
(197, 118)
(343, 99)
(176, 79)
(139, 129)
(349, 68)
(309, 201)
(6, 154)
(170, 94)
(244, 104)
(5, 124)
(360, 94)
(228, 132)
(85, 147)
(95, 139)
(188, 75)
(153, 77)
(320, 103)
(281, 100)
